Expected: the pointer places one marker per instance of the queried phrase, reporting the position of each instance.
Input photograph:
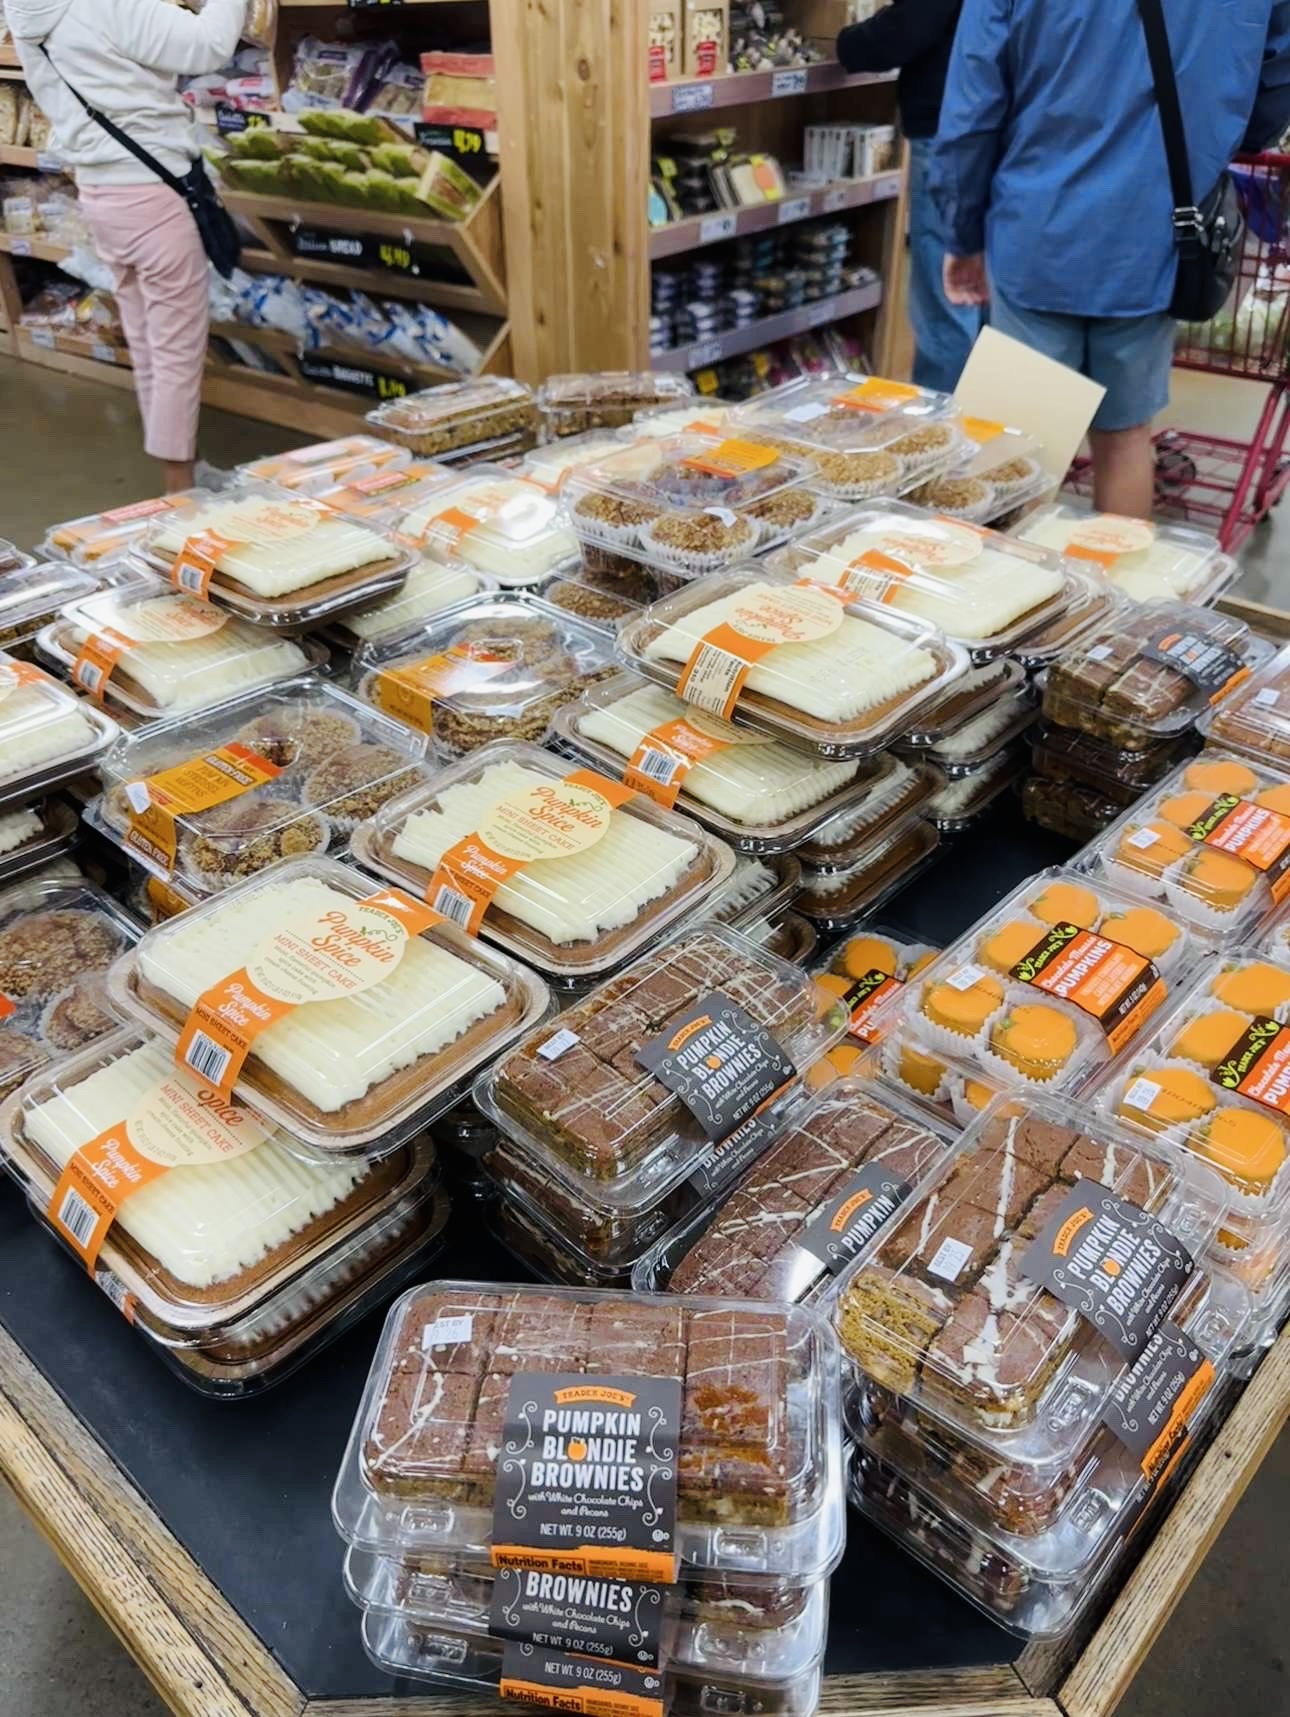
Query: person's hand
(965, 281)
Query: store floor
(71, 447)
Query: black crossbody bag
(214, 223)
(1209, 235)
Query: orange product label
(1111, 983)
(732, 458)
(878, 394)
(310, 957)
(447, 528)
(410, 692)
(666, 755)
(551, 821)
(1165, 1452)
(14, 674)
(164, 901)
(762, 621)
(1258, 1065)
(98, 656)
(864, 998)
(197, 785)
(1251, 832)
(194, 565)
(859, 575)
(981, 429)
(589, 1699)
(1107, 537)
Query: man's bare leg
(1124, 469)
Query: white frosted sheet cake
(17, 828)
(279, 544)
(204, 1223)
(1144, 563)
(331, 1052)
(37, 726)
(760, 784)
(571, 899)
(519, 536)
(835, 678)
(430, 586)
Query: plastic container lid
(496, 522)
(155, 652)
(691, 503)
(995, 450)
(270, 775)
(235, 1217)
(562, 867)
(758, 1487)
(758, 793)
(46, 735)
(430, 587)
(967, 796)
(606, 398)
(324, 464)
(864, 971)
(603, 598)
(969, 696)
(974, 742)
(551, 463)
(1213, 840)
(893, 793)
(758, 888)
(32, 595)
(282, 561)
(382, 498)
(1089, 601)
(1255, 718)
(834, 899)
(341, 1048)
(12, 558)
(457, 415)
(1150, 672)
(703, 413)
(948, 1308)
(978, 586)
(1050, 986)
(848, 677)
(101, 537)
(57, 939)
(1148, 560)
(30, 835)
(498, 667)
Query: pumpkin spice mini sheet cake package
(98, 538)
(722, 1419)
(47, 736)
(349, 1013)
(275, 774)
(323, 464)
(1147, 559)
(31, 596)
(816, 667)
(152, 651)
(499, 522)
(564, 868)
(1212, 842)
(283, 561)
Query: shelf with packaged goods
(415, 375)
(695, 231)
(768, 329)
(39, 249)
(743, 89)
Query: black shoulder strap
(115, 132)
(1171, 120)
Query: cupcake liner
(1132, 881)
(890, 1052)
(974, 515)
(85, 983)
(1189, 904)
(598, 531)
(963, 1111)
(936, 1036)
(1014, 486)
(770, 534)
(191, 872)
(867, 491)
(695, 563)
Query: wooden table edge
(205, 1661)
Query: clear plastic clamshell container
(1212, 840)
(33, 833)
(894, 791)
(837, 676)
(606, 399)
(984, 589)
(12, 558)
(973, 741)
(846, 1162)
(759, 1480)
(31, 596)
(964, 798)
(948, 1312)
(759, 793)
(603, 597)
(155, 652)
(551, 463)
(58, 937)
(1048, 988)
(837, 896)
(283, 561)
(1148, 673)
(1147, 559)
(1069, 808)
(495, 521)
(271, 775)
(1255, 719)
(458, 415)
(1009, 460)
(381, 498)
(971, 695)
(346, 1012)
(704, 414)
(562, 867)
(1067, 754)
(865, 970)
(236, 1218)
(498, 667)
(430, 587)
(1089, 601)
(47, 736)
(691, 503)
(864, 435)
(324, 464)
(760, 887)
(99, 538)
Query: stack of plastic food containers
(1210, 1082)
(613, 1128)
(1122, 706)
(1042, 993)
(979, 752)
(835, 679)
(605, 399)
(201, 802)
(12, 558)
(1000, 472)
(1147, 560)
(722, 1414)
(1015, 1406)
(487, 417)
(47, 738)
(100, 540)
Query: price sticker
(20, 247)
(795, 209)
(706, 352)
(788, 82)
(716, 227)
(692, 97)
(835, 199)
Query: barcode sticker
(77, 1217)
(1143, 838)
(657, 765)
(137, 794)
(556, 1046)
(90, 676)
(190, 578)
(454, 905)
(1142, 1093)
(965, 978)
(1267, 698)
(207, 1059)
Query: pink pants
(147, 236)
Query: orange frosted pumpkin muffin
(1002, 948)
(1275, 799)
(978, 1096)
(1160, 1097)
(961, 1006)
(1152, 847)
(1248, 1148)
(1066, 903)
(923, 962)
(1209, 1038)
(1182, 809)
(1214, 775)
(864, 954)
(1143, 929)
(1216, 878)
(1037, 1040)
(1259, 988)
(921, 1072)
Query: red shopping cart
(1220, 484)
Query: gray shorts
(1130, 356)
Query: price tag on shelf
(47, 163)
(706, 352)
(817, 313)
(795, 209)
(715, 227)
(692, 97)
(467, 145)
(788, 82)
(20, 247)
(352, 378)
(836, 199)
(42, 337)
(362, 5)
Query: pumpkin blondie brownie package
(607, 399)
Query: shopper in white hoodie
(125, 57)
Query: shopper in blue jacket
(1051, 177)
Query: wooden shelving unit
(742, 89)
